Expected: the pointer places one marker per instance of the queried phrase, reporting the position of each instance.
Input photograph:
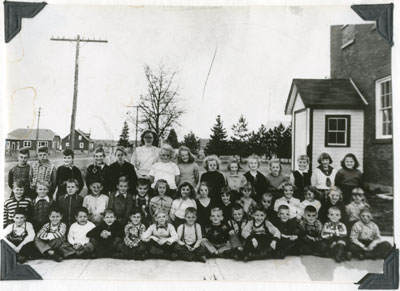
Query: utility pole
(136, 122)
(78, 40)
(37, 131)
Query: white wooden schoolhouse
(350, 112)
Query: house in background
(26, 138)
(83, 142)
(352, 111)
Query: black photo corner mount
(11, 270)
(382, 14)
(390, 277)
(13, 14)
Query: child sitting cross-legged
(261, 236)
(188, 247)
(51, 239)
(161, 237)
(310, 238)
(334, 235)
(216, 238)
(132, 247)
(236, 224)
(366, 242)
(107, 236)
(20, 235)
(77, 234)
(290, 231)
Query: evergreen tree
(279, 135)
(124, 137)
(172, 139)
(240, 139)
(192, 142)
(218, 143)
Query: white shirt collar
(44, 198)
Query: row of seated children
(240, 237)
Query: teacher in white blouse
(146, 155)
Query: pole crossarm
(75, 39)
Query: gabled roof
(325, 94)
(30, 134)
(83, 134)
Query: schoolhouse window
(27, 143)
(384, 127)
(67, 144)
(337, 130)
(81, 145)
(43, 143)
(8, 145)
(79, 137)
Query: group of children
(244, 217)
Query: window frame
(81, 145)
(43, 143)
(378, 108)
(28, 142)
(347, 130)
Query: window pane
(341, 124)
(340, 137)
(390, 130)
(332, 138)
(332, 124)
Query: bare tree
(160, 108)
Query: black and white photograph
(249, 143)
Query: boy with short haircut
(21, 171)
(43, 170)
(78, 231)
(365, 238)
(188, 247)
(236, 224)
(290, 231)
(261, 236)
(133, 247)
(122, 168)
(70, 202)
(107, 236)
(216, 238)
(18, 201)
(50, 240)
(41, 205)
(20, 236)
(121, 201)
(95, 202)
(99, 171)
(334, 235)
(266, 201)
(141, 200)
(67, 171)
(311, 228)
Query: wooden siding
(337, 153)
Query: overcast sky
(259, 51)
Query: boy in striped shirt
(51, 238)
(17, 201)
